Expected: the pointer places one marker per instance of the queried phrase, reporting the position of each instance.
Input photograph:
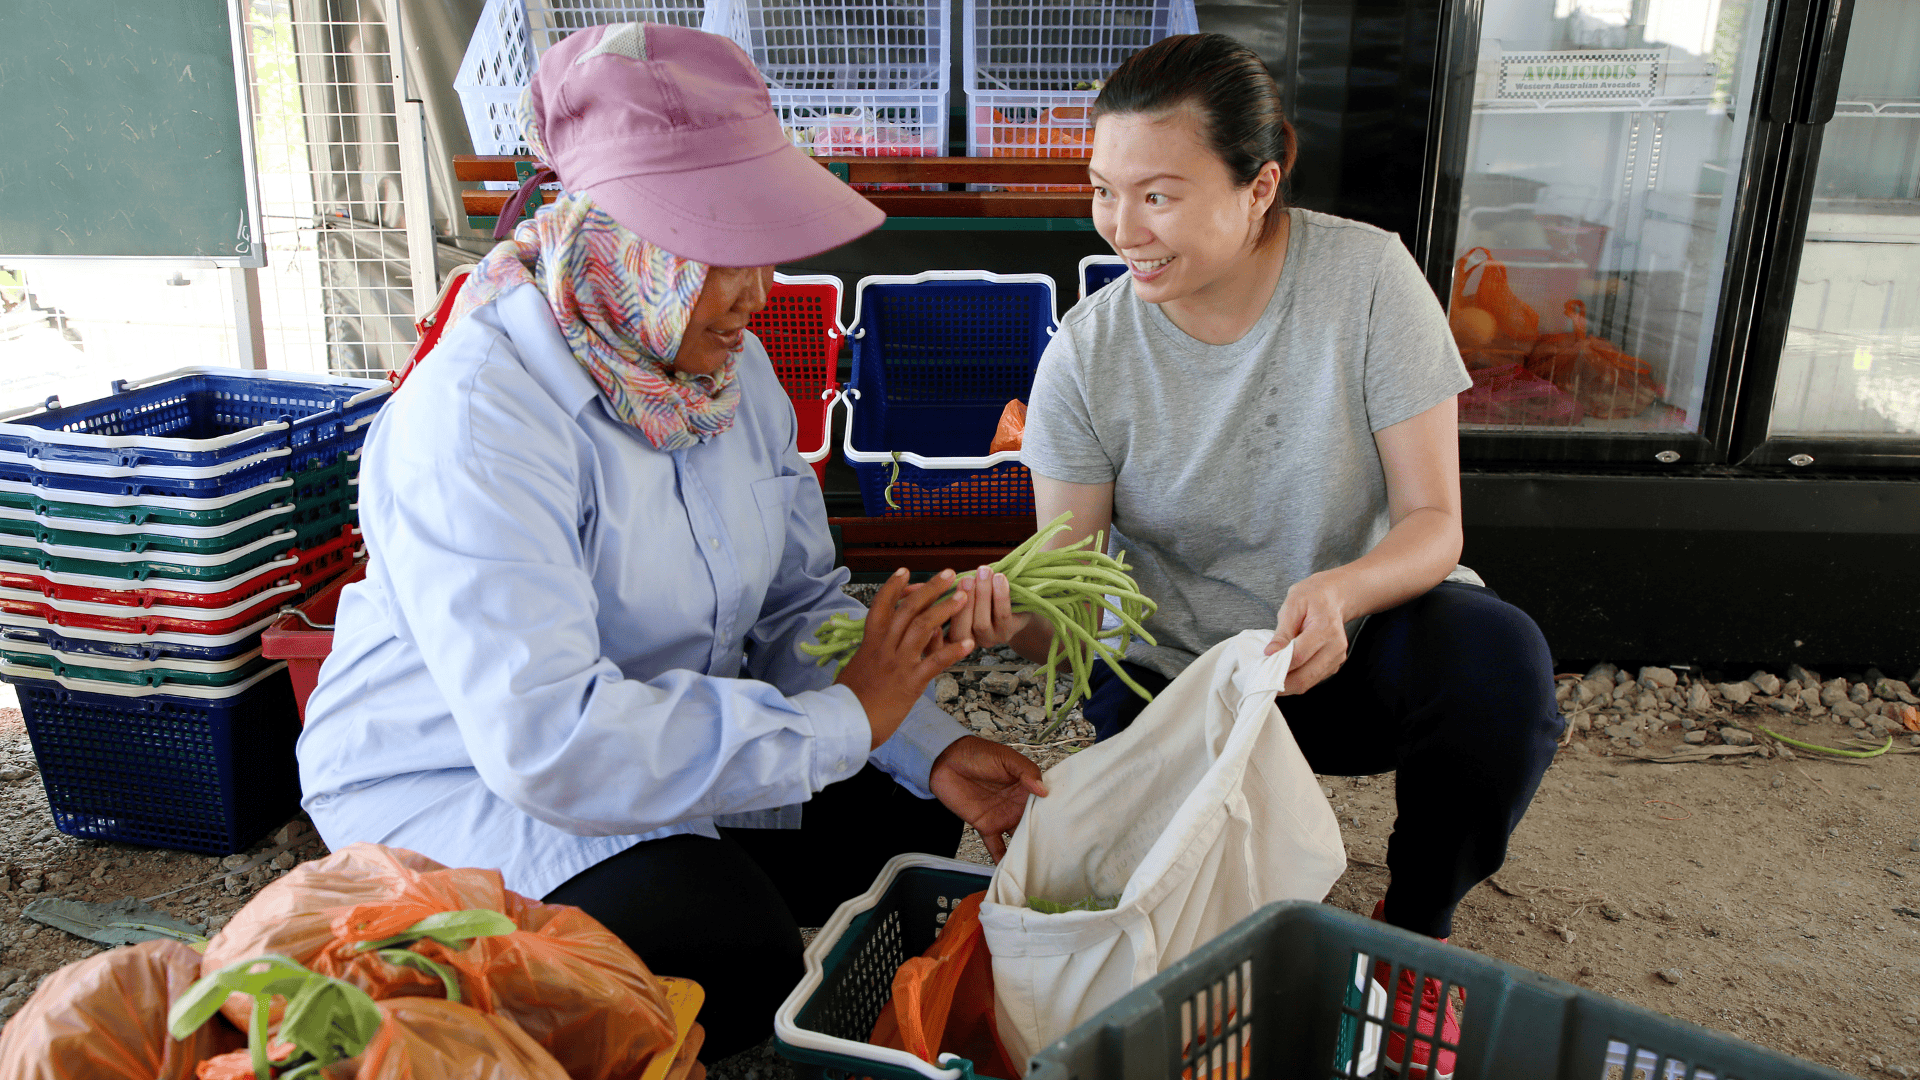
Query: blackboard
(123, 133)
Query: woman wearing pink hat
(594, 550)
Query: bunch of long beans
(1071, 588)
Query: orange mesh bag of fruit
(1609, 384)
(1492, 326)
(378, 918)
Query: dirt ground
(1771, 897)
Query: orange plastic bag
(1012, 429)
(105, 1017)
(1492, 326)
(429, 1039)
(943, 1000)
(567, 981)
(1608, 383)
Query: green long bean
(1072, 588)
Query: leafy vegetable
(454, 929)
(1070, 587)
(326, 1020)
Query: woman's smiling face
(728, 300)
(1168, 205)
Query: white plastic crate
(849, 77)
(498, 65)
(506, 47)
(1022, 60)
(550, 21)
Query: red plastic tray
(301, 643)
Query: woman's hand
(986, 785)
(904, 647)
(1314, 618)
(994, 621)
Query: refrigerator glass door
(1603, 155)
(1851, 367)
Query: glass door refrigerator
(1675, 233)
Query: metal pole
(248, 323)
(410, 119)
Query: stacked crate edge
(936, 358)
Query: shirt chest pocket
(773, 497)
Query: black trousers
(727, 913)
(1452, 691)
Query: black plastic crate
(1277, 997)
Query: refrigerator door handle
(1809, 46)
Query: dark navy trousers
(1453, 692)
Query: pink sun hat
(671, 131)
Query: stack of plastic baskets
(849, 77)
(1029, 68)
(146, 540)
(800, 328)
(936, 358)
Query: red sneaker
(1428, 1061)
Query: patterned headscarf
(622, 303)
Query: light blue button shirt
(568, 641)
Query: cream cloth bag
(1195, 816)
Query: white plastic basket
(849, 77)
(1022, 60)
(550, 21)
(497, 66)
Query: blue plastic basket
(200, 432)
(74, 641)
(936, 358)
(1098, 271)
(206, 769)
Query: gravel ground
(1676, 857)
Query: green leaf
(330, 1019)
(454, 929)
(263, 975)
(406, 958)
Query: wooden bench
(870, 544)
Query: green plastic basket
(145, 565)
(46, 531)
(87, 506)
(823, 1025)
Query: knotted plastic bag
(1012, 428)
(942, 1000)
(566, 980)
(1608, 383)
(105, 1018)
(1492, 326)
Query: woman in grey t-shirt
(1265, 417)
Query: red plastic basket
(248, 604)
(309, 565)
(303, 637)
(800, 327)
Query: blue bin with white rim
(192, 432)
(209, 769)
(1099, 271)
(936, 358)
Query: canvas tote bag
(1195, 816)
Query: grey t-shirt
(1240, 469)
